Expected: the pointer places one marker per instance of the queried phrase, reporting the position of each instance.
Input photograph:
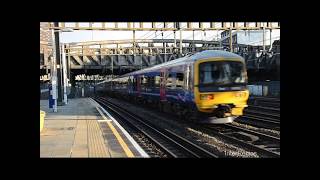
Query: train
(204, 87)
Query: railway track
(261, 116)
(262, 135)
(262, 98)
(265, 145)
(264, 109)
(259, 122)
(266, 115)
(270, 104)
(169, 142)
(266, 102)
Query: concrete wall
(271, 88)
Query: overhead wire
(148, 32)
(265, 40)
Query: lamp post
(57, 63)
(58, 78)
(180, 40)
(64, 67)
(230, 35)
(54, 73)
(64, 70)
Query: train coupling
(223, 111)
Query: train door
(187, 78)
(138, 85)
(130, 84)
(162, 85)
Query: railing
(167, 26)
(131, 51)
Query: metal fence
(86, 91)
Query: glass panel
(179, 81)
(222, 73)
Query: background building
(45, 42)
(244, 37)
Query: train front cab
(220, 103)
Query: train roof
(214, 54)
(191, 58)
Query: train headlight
(240, 94)
(206, 96)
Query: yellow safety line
(120, 140)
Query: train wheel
(180, 112)
(160, 106)
(153, 104)
(144, 103)
(136, 101)
(191, 116)
(181, 115)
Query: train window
(151, 82)
(157, 81)
(190, 78)
(125, 82)
(134, 81)
(170, 81)
(179, 80)
(222, 73)
(143, 82)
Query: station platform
(82, 128)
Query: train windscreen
(222, 73)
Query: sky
(87, 35)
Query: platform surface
(78, 129)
